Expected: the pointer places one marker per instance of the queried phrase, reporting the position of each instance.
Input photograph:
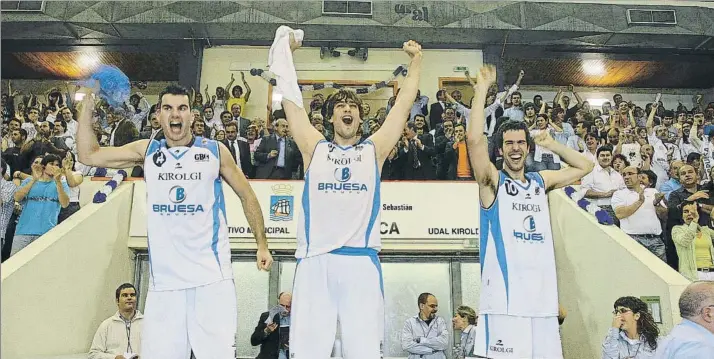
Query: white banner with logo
(410, 210)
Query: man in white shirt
(600, 184)
(639, 211)
(119, 336)
(592, 143)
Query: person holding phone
(634, 333)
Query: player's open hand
(412, 48)
(486, 76)
(264, 259)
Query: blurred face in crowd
(220, 92)
(516, 99)
(319, 126)
(599, 123)
(618, 164)
(319, 99)
(580, 129)
(586, 106)
(440, 96)
(629, 319)
(373, 126)
(450, 114)
(208, 114)
(623, 108)
(175, 117)
(281, 127)
(366, 108)
(685, 129)
(631, 177)
(617, 98)
(537, 100)
(14, 125)
(699, 118)
(16, 137)
(642, 133)
(198, 99)
(237, 91)
(231, 132)
(667, 121)
(448, 128)
(681, 117)
(459, 133)
(236, 110)
(647, 151)
(155, 123)
(66, 114)
(645, 180)
(59, 128)
(606, 107)
(51, 168)
(429, 309)
(286, 302)
(45, 129)
(566, 101)
(409, 133)
(613, 137)
(689, 212)
(674, 169)
(530, 111)
(591, 142)
(196, 114)
(456, 95)
(198, 128)
(459, 322)
(127, 300)
(226, 117)
(514, 151)
(221, 135)
(662, 133)
(541, 123)
(549, 112)
(419, 122)
(688, 176)
(604, 159)
(252, 132)
(33, 115)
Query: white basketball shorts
(204, 319)
(344, 285)
(505, 336)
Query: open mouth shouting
(517, 156)
(347, 119)
(176, 126)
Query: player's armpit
(561, 178)
(125, 156)
(305, 135)
(485, 172)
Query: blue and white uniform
(338, 274)
(189, 254)
(519, 293)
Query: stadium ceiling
(447, 24)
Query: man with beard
(519, 307)
(426, 335)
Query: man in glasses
(693, 338)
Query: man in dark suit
(240, 150)
(415, 153)
(437, 109)
(123, 131)
(273, 337)
(277, 156)
(154, 132)
(242, 122)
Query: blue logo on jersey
(351, 187)
(177, 194)
(343, 174)
(177, 209)
(529, 235)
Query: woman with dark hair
(41, 197)
(620, 162)
(74, 179)
(694, 244)
(465, 320)
(634, 333)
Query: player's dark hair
(512, 125)
(173, 89)
(342, 95)
(646, 325)
(122, 287)
(423, 297)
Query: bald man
(693, 338)
(277, 156)
(273, 330)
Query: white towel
(280, 61)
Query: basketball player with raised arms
(191, 302)
(519, 294)
(338, 276)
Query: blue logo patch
(343, 174)
(281, 208)
(177, 194)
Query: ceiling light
(593, 67)
(596, 102)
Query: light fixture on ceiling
(596, 102)
(593, 67)
(88, 60)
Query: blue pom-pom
(583, 203)
(123, 174)
(100, 172)
(603, 217)
(569, 191)
(99, 197)
(114, 86)
(112, 184)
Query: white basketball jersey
(516, 252)
(340, 201)
(186, 224)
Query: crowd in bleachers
(653, 166)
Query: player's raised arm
(579, 165)
(305, 136)
(477, 143)
(251, 207)
(88, 148)
(391, 131)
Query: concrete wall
(56, 291)
(596, 265)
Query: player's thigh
(504, 336)
(313, 316)
(212, 320)
(546, 338)
(163, 332)
(361, 305)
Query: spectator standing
(7, 200)
(603, 181)
(119, 334)
(694, 245)
(236, 95)
(693, 338)
(465, 321)
(277, 155)
(426, 336)
(673, 183)
(273, 330)
(638, 210)
(416, 151)
(123, 131)
(240, 150)
(634, 333)
(74, 178)
(41, 196)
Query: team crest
(159, 158)
(282, 203)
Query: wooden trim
(452, 79)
